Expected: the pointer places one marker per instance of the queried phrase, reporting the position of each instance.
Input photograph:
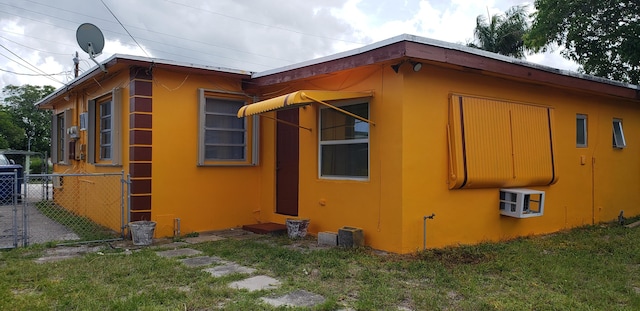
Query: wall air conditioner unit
(521, 203)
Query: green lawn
(590, 268)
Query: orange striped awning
(296, 100)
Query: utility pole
(76, 62)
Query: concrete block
(350, 237)
(259, 282)
(328, 238)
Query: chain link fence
(9, 220)
(68, 209)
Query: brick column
(140, 139)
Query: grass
(86, 229)
(589, 268)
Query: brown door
(287, 153)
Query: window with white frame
(344, 142)
(581, 130)
(618, 134)
(103, 131)
(225, 139)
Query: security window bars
(581, 131)
(344, 142)
(618, 134)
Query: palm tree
(504, 33)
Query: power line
(26, 62)
(144, 29)
(35, 74)
(125, 29)
(163, 43)
(28, 47)
(158, 42)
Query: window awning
(302, 98)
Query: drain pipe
(424, 230)
(176, 228)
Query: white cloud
(252, 35)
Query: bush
(37, 166)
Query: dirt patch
(452, 257)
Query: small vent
(521, 203)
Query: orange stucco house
(376, 138)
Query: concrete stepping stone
(66, 252)
(180, 252)
(299, 298)
(259, 282)
(201, 261)
(229, 268)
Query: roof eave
(46, 102)
(429, 50)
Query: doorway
(287, 162)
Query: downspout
(424, 230)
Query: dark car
(8, 181)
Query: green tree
(601, 35)
(503, 33)
(19, 103)
(11, 135)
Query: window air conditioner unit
(521, 203)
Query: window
(344, 142)
(60, 138)
(581, 131)
(495, 144)
(104, 119)
(103, 129)
(618, 134)
(225, 139)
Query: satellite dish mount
(91, 41)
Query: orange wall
(374, 205)
(408, 160)
(471, 216)
(204, 198)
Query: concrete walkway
(213, 265)
(218, 268)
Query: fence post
(122, 220)
(25, 214)
(14, 201)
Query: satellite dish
(91, 41)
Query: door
(287, 152)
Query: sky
(38, 38)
